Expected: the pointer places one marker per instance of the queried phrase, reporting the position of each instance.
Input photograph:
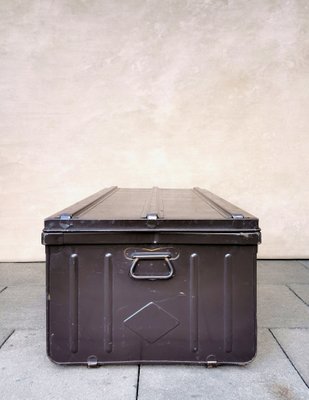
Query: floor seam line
(285, 353)
(284, 327)
(137, 383)
(297, 295)
(7, 338)
(281, 284)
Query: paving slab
(295, 343)
(23, 307)
(12, 274)
(301, 290)
(281, 272)
(27, 373)
(4, 334)
(278, 307)
(270, 376)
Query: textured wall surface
(209, 93)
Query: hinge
(92, 362)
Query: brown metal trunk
(151, 276)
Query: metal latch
(152, 216)
(237, 216)
(65, 216)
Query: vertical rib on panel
(193, 306)
(228, 303)
(108, 303)
(73, 302)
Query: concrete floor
(280, 370)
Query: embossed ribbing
(73, 303)
(108, 303)
(228, 305)
(193, 306)
(211, 202)
(154, 204)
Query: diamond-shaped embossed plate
(151, 322)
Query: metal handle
(152, 256)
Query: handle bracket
(151, 256)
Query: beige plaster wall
(141, 93)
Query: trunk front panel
(205, 311)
